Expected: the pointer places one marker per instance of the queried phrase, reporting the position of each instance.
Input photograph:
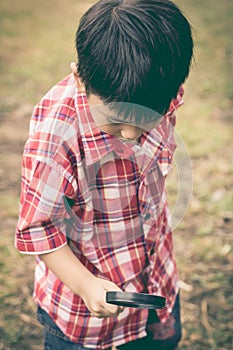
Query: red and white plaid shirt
(106, 199)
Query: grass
(37, 44)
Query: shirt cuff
(36, 241)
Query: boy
(93, 207)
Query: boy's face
(126, 132)
(113, 124)
(107, 120)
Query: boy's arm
(81, 281)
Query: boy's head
(136, 51)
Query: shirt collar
(97, 144)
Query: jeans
(54, 339)
(159, 336)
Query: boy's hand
(81, 281)
(94, 296)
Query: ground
(36, 48)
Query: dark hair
(135, 51)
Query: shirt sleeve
(45, 184)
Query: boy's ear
(78, 82)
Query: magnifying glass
(137, 300)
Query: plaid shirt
(106, 199)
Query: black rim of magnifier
(138, 300)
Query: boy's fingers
(121, 309)
(117, 311)
(107, 312)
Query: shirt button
(147, 216)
